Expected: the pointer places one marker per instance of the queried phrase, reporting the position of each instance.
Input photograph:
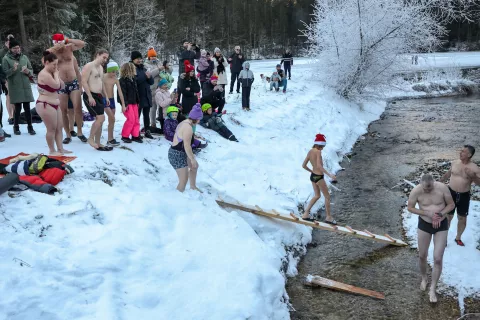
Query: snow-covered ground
(120, 243)
(444, 60)
(460, 264)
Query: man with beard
(63, 49)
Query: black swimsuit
(316, 177)
(428, 227)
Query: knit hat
(57, 38)
(172, 109)
(320, 140)
(13, 43)
(188, 66)
(196, 113)
(203, 53)
(151, 53)
(135, 55)
(279, 65)
(206, 106)
(217, 50)
(162, 82)
(214, 78)
(112, 66)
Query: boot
(16, 130)
(31, 131)
(148, 135)
(6, 135)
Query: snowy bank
(119, 243)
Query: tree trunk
(23, 33)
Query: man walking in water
(94, 91)
(63, 49)
(462, 173)
(314, 156)
(435, 202)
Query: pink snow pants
(132, 124)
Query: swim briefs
(69, 87)
(428, 227)
(316, 177)
(112, 103)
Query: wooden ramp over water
(318, 225)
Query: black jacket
(129, 90)
(143, 86)
(184, 54)
(3, 80)
(209, 95)
(189, 99)
(287, 59)
(236, 63)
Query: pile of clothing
(36, 171)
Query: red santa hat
(188, 66)
(57, 38)
(320, 140)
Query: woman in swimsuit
(180, 155)
(47, 104)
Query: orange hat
(151, 53)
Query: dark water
(395, 147)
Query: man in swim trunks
(462, 173)
(69, 73)
(435, 202)
(94, 91)
(109, 81)
(314, 156)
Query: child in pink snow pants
(128, 84)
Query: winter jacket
(275, 77)
(222, 77)
(3, 80)
(143, 86)
(202, 64)
(185, 54)
(246, 75)
(211, 93)
(163, 99)
(236, 64)
(281, 73)
(3, 52)
(152, 67)
(170, 127)
(212, 121)
(129, 90)
(167, 75)
(189, 98)
(20, 88)
(287, 59)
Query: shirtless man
(462, 173)
(435, 202)
(63, 49)
(94, 91)
(109, 81)
(314, 156)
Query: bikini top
(180, 146)
(46, 87)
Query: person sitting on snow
(170, 125)
(283, 78)
(213, 94)
(212, 120)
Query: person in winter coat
(144, 81)
(19, 73)
(246, 78)
(3, 88)
(283, 78)
(205, 67)
(10, 107)
(166, 73)
(287, 61)
(220, 68)
(212, 120)
(275, 79)
(171, 124)
(212, 93)
(154, 66)
(236, 61)
(128, 84)
(189, 87)
(163, 99)
(188, 52)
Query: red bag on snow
(52, 176)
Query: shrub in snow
(357, 42)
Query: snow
(119, 242)
(444, 60)
(460, 264)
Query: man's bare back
(315, 158)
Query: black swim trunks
(69, 87)
(462, 202)
(428, 227)
(316, 177)
(99, 108)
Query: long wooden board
(319, 225)
(317, 281)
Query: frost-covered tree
(357, 43)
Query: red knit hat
(214, 78)
(58, 37)
(188, 66)
(320, 140)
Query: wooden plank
(319, 225)
(386, 235)
(335, 285)
(369, 233)
(276, 213)
(350, 229)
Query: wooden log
(335, 285)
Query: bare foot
(433, 296)
(64, 151)
(423, 284)
(55, 153)
(195, 188)
(92, 143)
